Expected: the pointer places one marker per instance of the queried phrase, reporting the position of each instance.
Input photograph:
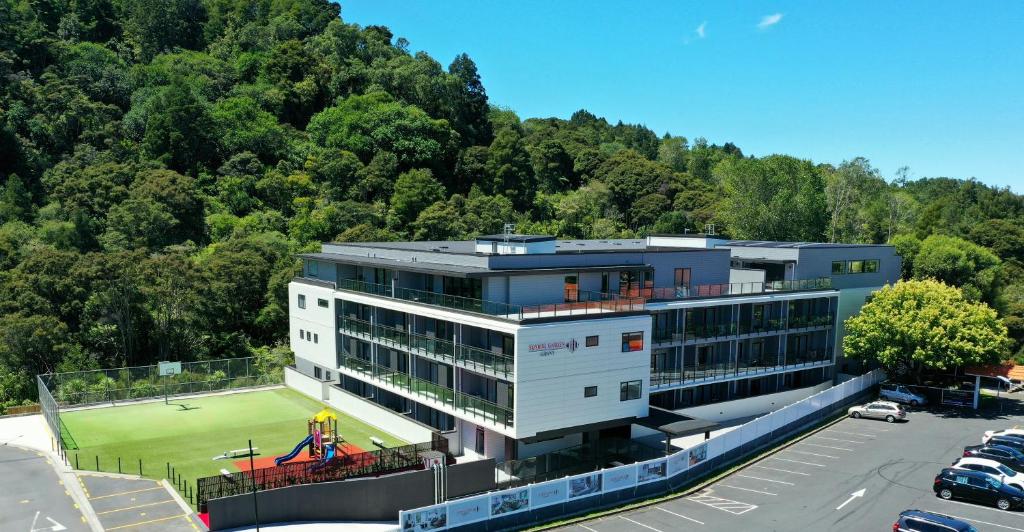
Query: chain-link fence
(81, 388)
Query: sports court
(189, 432)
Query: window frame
(313, 268)
(596, 340)
(855, 266)
(317, 373)
(626, 389)
(872, 266)
(589, 391)
(682, 276)
(842, 267)
(316, 338)
(322, 303)
(302, 301)
(628, 339)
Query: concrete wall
(536, 289)
(752, 406)
(709, 266)
(364, 499)
(315, 319)
(746, 275)
(550, 376)
(850, 302)
(303, 383)
(817, 262)
(383, 418)
(494, 442)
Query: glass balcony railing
(470, 404)
(727, 289)
(765, 326)
(585, 302)
(745, 367)
(802, 322)
(474, 358)
(711, 330)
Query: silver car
(902, 394)
(886, 410)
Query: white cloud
(769, 20)
(700, 29)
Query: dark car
(977, 487)
(1007, 456)
(1008, 441)
(918, 521)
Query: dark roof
(794, 245)
(675, 425)
(515, 238)
(454, 270)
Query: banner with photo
(651, 471)
(585, 485)
(698, 454)
(618, 478)
(548, 493)
(510, 501)
(429, 518)
(677, 463)
(466, 511)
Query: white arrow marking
(854, 495)
(57, 527)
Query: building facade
(516, 345)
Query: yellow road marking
(191, 522)
(147, 522)
(124, 493)
(24, 501)
(134, 507)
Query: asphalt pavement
(32, 496)
(854, 475)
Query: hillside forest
(162, 162)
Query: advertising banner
(466, 511)
(698, 454)
(651, 471)
(429, 518)
(677, 463)
(510, 501)
(618, 478)
(548, 493)
(584, 485)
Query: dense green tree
(242, 126)
(958, 262)
(775, 198)
(179, 129)
(509, 170)
(918, 326)
(415, 190)
(15, 200)
(630, 176)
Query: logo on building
(549, 348)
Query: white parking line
(639, 523)
(826, 446)
(586, 527)
(797, 461)
(852, 433)
(718, 503)
(812, 454)
(680, 515)
(986, 508)
(782, 470)
(982, 522)
(744, 489)
(837, 439)
(765, 479)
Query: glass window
(321, 302)
(592, 341)
(316, 372)
(316, 338)
(682, 277)
(870, 266)
(590, 391)
(314, 268)
(572, 288)
(302, 301)
(302, 334)
(327, 375)
(838, 268)
(632, 341)
(856, 266)
(604, 283)
(629, 390)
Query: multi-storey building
(516, 345)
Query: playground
(200, 436)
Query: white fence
(570, 495)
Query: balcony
(587, 303)
(808, 322)
(469, 357)
(719, 371)
(470, 405)
(729, 289)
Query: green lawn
(189, 439)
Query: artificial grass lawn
(275, 420)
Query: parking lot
(137, 505)
(856, 475)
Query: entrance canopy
(675, 425)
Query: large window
(632, 341)
(313, 267)
(458, 286)
(838, 267)
(870, 266)
(682, 277)
(572, 288)
(629, 390)
(302, 301)
(856, 266)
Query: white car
(999, 471)
(886, 410)
(1017, 433)
(901, 394)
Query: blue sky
(937, 86)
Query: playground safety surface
(136, 505)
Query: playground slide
(328, 456)
(295, 452)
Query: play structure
(322, 441)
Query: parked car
(1006, 432)
(902, 394)
(886, 410)
(977, 487)
(1007, 456)
(1007, 441)
(918, 521)
(996, 469)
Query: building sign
(548, 493)
(465, 511)
(550, 348)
